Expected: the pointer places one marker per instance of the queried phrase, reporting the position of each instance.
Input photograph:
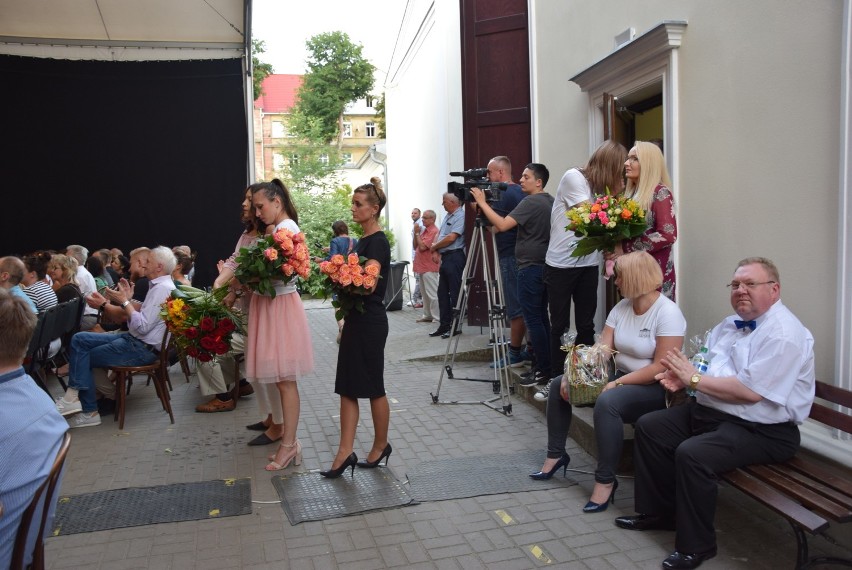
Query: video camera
(476, 178)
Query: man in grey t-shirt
(532, 217)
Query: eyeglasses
(750, 286)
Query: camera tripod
(496, 322)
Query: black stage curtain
(122, 154)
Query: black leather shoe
(645, 522)
(447, 334)
(440, 331)
(679, 560)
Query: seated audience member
(758, 388)
(121, 266)
(189, 253)
(139, 346)
(85, 281)
(641, 328)
(35, 282)
(110, 276)
(183, 267)
(30, 429)
(11, 273)
(63, 271)
(96, 268)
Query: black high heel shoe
(545, 475)
(599, 508)
(351, 461)
(371, 464)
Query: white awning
(125, 30)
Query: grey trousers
(614, 408)
(559, 414)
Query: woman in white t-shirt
(641, 328)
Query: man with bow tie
(758, 388)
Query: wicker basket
(588, 369)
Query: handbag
(588, 369)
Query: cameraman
(532, 217)
(500, 170)
(449, 248)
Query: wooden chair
(158, 372)
(235, 391)
(47, 490)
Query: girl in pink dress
(279, 345)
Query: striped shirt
(42, 295)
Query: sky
(285, 26)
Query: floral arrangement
(200, 324)
(603, 223)
(278, 257)
(350, 279)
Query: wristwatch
(124, 304)
(693, 382)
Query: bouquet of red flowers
(605, 222)
(350, 279)
(200, 324)
(278, 257)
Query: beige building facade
(753, 103)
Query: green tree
(380, 117)
(337, 74)
(312, 168)
(259, 70)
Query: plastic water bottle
(701, 364)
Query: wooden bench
(807, 492)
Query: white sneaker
(68, 408)
(543, 393)
(85, 420)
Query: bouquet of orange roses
(603, 223)
(350, 278)
(200, 324)
(281, 257)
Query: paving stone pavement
(512, 531)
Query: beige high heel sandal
(297, 457)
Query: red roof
(279, 93)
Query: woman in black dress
(360, 362)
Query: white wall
(756, 138)
(424, 115)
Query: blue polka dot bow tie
(745, 324)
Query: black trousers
(579, 284)
(449, 284)
(679, 452)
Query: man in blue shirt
(12, 271)
(500, 170)
(31, 429)
(449, 248)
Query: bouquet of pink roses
(350, 279)
(280, 257)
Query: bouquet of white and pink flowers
(280, 257)
(350, 279)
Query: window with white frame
(347, 158)
(347, 129)
(323, 159)
(278, 161)
(371, 129)
(278, 129)
(370, 101)
(294, 159)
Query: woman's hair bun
(377, 182)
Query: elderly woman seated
(640, 329)
(62, 269)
